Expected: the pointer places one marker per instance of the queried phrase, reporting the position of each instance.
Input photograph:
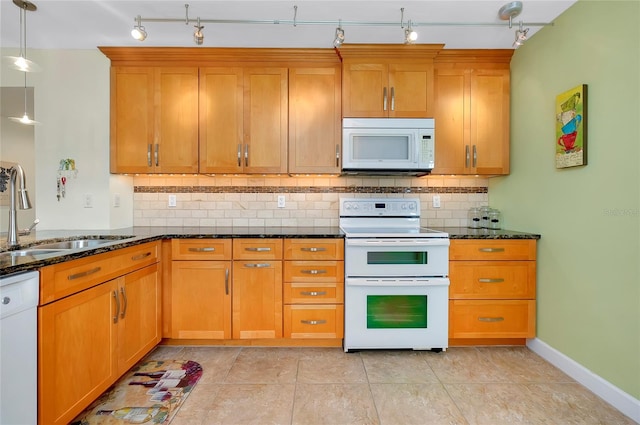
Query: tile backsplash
(309, 200)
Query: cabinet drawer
(492, 319)
(313, 321)
(483, 249)
(63, 279)
(201, 249)
(492, 279)
(314, 271)
(313, 293)
(257, 249)
(314, 249)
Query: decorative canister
(474, 218)
(495, 219)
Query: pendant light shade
(24, 119)
(21, 63)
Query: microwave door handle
(384, 99)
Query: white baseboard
(613, 395)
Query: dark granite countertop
(467, 233)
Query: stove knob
(412, 206)
(404, 206)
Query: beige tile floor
(307, 386)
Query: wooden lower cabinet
(88, 340)
(492, 297)
(314, 321)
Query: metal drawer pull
(246, 155)
(313, 322)
(393, 98)
(467, 157)
(384, 99)
(202, 249)
(157, 154)
(313, 271)
(149, 155)
(239, 155)
(254, 249)
(140, 256)
(124, 306)
(226, 281)
(490, 319)
(489, 280)
(475, 156)
(83, 274)
(257, 265)
(313, 249)
(337, 155)
(313, 293)
(491, 249)
(115, 297)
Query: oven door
(396, 313)
(397, 257)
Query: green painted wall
(589, 217)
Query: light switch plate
(436, 201)
(281, 201)
(172, 201)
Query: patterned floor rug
(150, 393)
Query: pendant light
(25, 118)
(21, 63)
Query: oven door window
(396, 311)
(397, 257)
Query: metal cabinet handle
(393, 98)
(257, 249)
(313, 293)
(313, 322)
(467, 156)
(257, 265)
(207, 249)
(490, 280)
(140, 256)
(313, 271)
(157, 154)
(491, 249)
(313, 249)
(84, 273)
(490, 319)
(337, 155)
(384, 99)
(115, 297)
(246, 155)
(124, 304)
(239, 155)
(475, 156)
(226, 281)
(149, 155)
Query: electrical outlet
(88, 200)
(281, 201)
(116, 200)
(436, 201)
(172, 201)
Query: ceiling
(87, 24)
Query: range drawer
(313, 293)
(492, 279)
(314, 271)
(257, 249)
(313, 321)
(492, 319)
(314, 249)
(63, 279)
(486, 250)
(201, 249)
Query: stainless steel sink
(31, 252)
(80, 243)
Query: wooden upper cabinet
(472, 101)
(315, 127)
(154, 119)
(388, 80)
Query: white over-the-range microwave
(388, 146)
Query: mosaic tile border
(306, 189)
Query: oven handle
(398, 242)
(397, 282)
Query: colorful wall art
(571, 127)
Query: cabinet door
(221, 120)
(76, 352)
(257, 299)
(265, 120)
(453, 150)
(201, 300)
(132, 119)
(365, 91)
(315, 125)
(410, 90)
(139, 323)
(490, 121)
(176, 140)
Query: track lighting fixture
(510, 11)
(521, 36)
(198, 35)
(138, 32)
(21, 63)
(339, 38)
(410, 35)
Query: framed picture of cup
(571, 127)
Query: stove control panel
(367, 207)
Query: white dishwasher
(18, 349)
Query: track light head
(339, 38)
(198, 35)
(410, 35)
(138, 32)
(521, 36)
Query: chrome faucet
(16, 172)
